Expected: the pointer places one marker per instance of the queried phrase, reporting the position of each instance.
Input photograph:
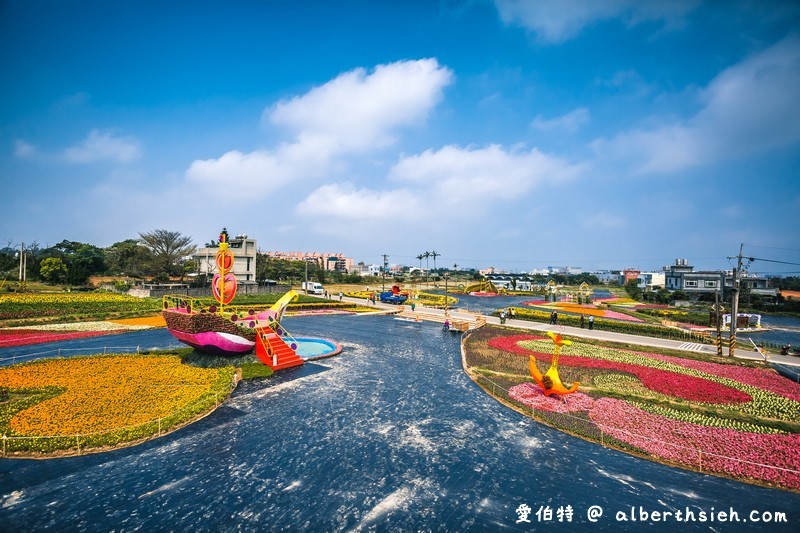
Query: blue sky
(514, 134)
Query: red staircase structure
(273, 351)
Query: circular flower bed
(58, 404)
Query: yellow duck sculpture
(550, 382)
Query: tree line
(158, 255)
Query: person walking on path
(582, 321)
(413, 306)
(555, 318)
(591, 322)
(552, 320)
(340, 296)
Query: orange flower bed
(578, 308)
(152, 321)
(106, 393)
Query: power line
(773, 261)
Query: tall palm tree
(434, 254)
(426, 255)
(420, 257)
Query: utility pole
(719, 326)
(446, 276)
(23, 267)
(735, 302)
(306, 285)
(385, 267)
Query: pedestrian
(555, 318)
(340, 296)
(582, 321)
(511, 312)
(413, 306)
(552, 313)
(591, 322)
(502, 317)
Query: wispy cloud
(23, 149)
(569, 122)
(104, 145)
(560, 20)
(748, 108)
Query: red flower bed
(757, 377)
(670, 383)
(23, 337)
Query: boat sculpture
(214, 329)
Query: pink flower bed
(531, 395)
(757, 456)
(662, 381)
(23, 337)
(621, 316)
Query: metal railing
(65, 352)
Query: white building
(244, 255)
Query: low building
(244, 254)
(651, 281)
(682, 277)
(512, 282)
(607, 276)
(328, 261)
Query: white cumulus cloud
(360, 110)
(104, 145)
(353, 113)
(748, 108)
(455, 174)
(344, 201)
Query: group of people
(507, 314)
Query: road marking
(692, 346)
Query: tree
(435, 254)
(82, 260)
(53, 270)
(127, 258)
(168, 249)
(633, 290)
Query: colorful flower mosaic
(748, 442)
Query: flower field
(728, 419)
(41, 305)
(22, 336)
(87, 402)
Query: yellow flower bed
(149, 321)
(64, 297)
(106, 393)
(577, 308)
